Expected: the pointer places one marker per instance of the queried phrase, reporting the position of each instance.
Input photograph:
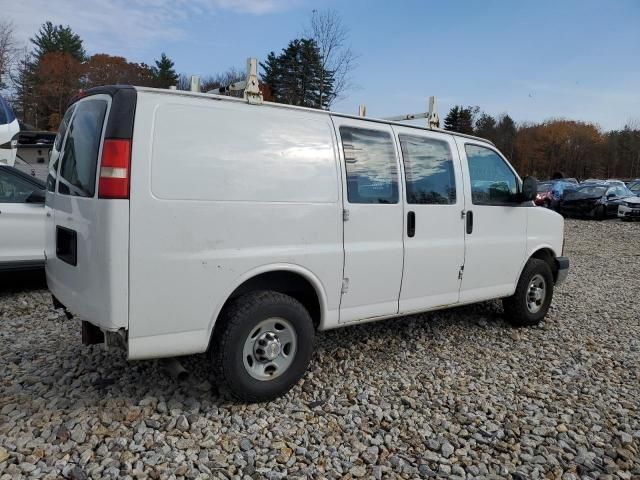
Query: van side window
(372, 174)
(62, 130)
(80, 156)
(57, 146)
(428, 168)
(492, 181)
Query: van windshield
(80, 155)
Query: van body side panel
(543, 226)
(218, 190)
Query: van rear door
(88, 234)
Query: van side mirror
(529, 189)
(35, 197)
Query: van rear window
(80, 155)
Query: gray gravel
(451, 394)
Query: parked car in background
(22, 215)
(278, 221)
(629, 209)
(552, 191)
(634, 186)
(571, 180)
(612, 181)
(9, 130)
(591, 180)
(594, 200)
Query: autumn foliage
(573, 148)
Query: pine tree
(296, 75)
(460, 119)
(486, 127)
(452, 118)
(56, 38)
(506, 132)
(164, 73)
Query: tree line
(44, 78)
(555, 147)
(312, 71)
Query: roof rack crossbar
(250, 87)
(433, 120)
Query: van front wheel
(532, 298)
(263, 345)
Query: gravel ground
(451, 394)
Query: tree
(56, 38)
(22, 80)
(461, 119)
(297, 77)
(164, 73)
(331, 37)
(506, 135)
(485, 127)
(103, 69)
(7, 51)
(62, 72)
(574, 148)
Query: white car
(629, 209)
(9, 130)
(182, 222)
(22, 225)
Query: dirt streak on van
(181, 222)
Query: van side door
(373, 219)
(495, 223)
(434, 226)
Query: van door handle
(469, 216)
(411, 224)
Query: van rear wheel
(532, 298)
(263, 345)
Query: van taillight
(115, 169)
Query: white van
(182, 222)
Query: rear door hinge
(462, 213)
(345, 215)
(461, 272)
(345, 286)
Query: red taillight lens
(115, 169)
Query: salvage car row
(598, 199)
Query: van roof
(111, 89)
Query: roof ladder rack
(250, 87)
(433, 120)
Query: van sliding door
(373, 220)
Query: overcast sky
(535, 60)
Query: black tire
(515, 307)
(600, 213)
(237, 323)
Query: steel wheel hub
(269, 349)
(536, 293)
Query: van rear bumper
(563, 269)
